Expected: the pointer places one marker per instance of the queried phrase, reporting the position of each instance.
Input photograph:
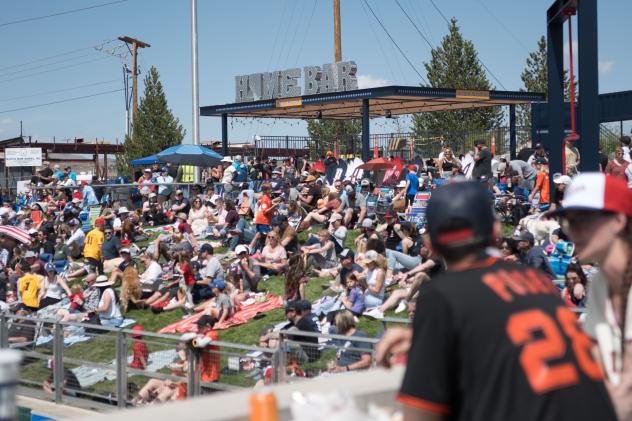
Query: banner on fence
(23, 157)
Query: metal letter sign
(335, 77)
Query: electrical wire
(12, 72)
(60, 13)
(395, 43)
(276, 37)
(61, 101)
(480, 60)
(426, 25)
(503, 26)
(379, 43)
(309, 24)
(298, 25)
(286, 33)
(53, 70)
(414, 24)
(60, 90)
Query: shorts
(263, 229)
(98, 264)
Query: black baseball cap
(479, 142)
(524, 236)
(346, 253)
(292, 306)
(206, 320)
(460, 214)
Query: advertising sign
(23, 157)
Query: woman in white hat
(108, 309)
(597, 217)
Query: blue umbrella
(148, 160)
(196, 155)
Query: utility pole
(337, 42)
(136, 44)
(194, 77)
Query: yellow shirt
(29, 287)
(93, 243)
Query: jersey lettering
(507, 284)
(542, 342)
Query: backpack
(241, 176)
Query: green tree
(455, 64)
(535, 79)
(325, 133)
(154, 126)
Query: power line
(309, 24)
(298, 25)
(440, 12)
(503, 26)
(60, 90)
(53, 70)
(60, 13)
(415, 25)
(480, 60)
(379, 43)
(395, 43)
(61, 101)
(12, 72)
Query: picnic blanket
(240, 317)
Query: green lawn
(102, 348)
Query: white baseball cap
(227, 159)
(241, 249)
(367, 223)
(597, 192)
(562, 179)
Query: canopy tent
(148, 160)
(196, 155)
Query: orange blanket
(240, 317)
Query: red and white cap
(597, 192)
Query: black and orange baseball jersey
(495, 342)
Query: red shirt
(189, 277)
(140, 351)
(265, 203)
(184, 227)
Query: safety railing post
(4, 331)
(121, 366)
(58, 362)
(193, 383)
(280, 368)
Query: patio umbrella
(196, 155)
(376, 165)
(148, 160)
(16, 233)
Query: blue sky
(248, 36)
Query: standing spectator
(30, 288)
(524, 170)
(412, 184)
(45, 174)
(93, 245)
(571, 155)
(625, 145)
(482, 161)
(229, 174)
(542, 183)
(560, 185)
(140, 356)
(617, 166)
(166, 187)
(263, 220)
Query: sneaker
(156, 310)
(401, 306)
(374, 313)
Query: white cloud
(6, 120)
(368, 81)
(606, 66)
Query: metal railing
(103, 367)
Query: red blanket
(240, 317)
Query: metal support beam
(512, 131)
(589, 86)
(554, 138)
(224, 134)
(366, 152)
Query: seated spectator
(574, 292)
(273, 258)
(108, 308)
(287, 234)
(352, 355)
(70, 384)
(110, 250)
(353, 299)
(532, 255)
(21, 331)
(126, 261)
(244, 269)
(75, 244)
(355, 207)
(166, 390)
(375, 280)
(86, 302)
(210, 270)
(223, 307)
(151, 278)
(301, 353)
(54, 287)
(198, 217)
(508, 249)
(323, 254)
(209, 362)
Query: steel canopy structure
(370, 103)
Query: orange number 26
(537, 352)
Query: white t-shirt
(229, 174)
(626, 153)
(628, 173)
(152, 275)
(601, 325)
(112, 312)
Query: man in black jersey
(491, 340)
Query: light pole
(194, 74)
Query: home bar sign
(334, 77)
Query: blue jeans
(246, 234)
(111, 322)
(399, 260)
